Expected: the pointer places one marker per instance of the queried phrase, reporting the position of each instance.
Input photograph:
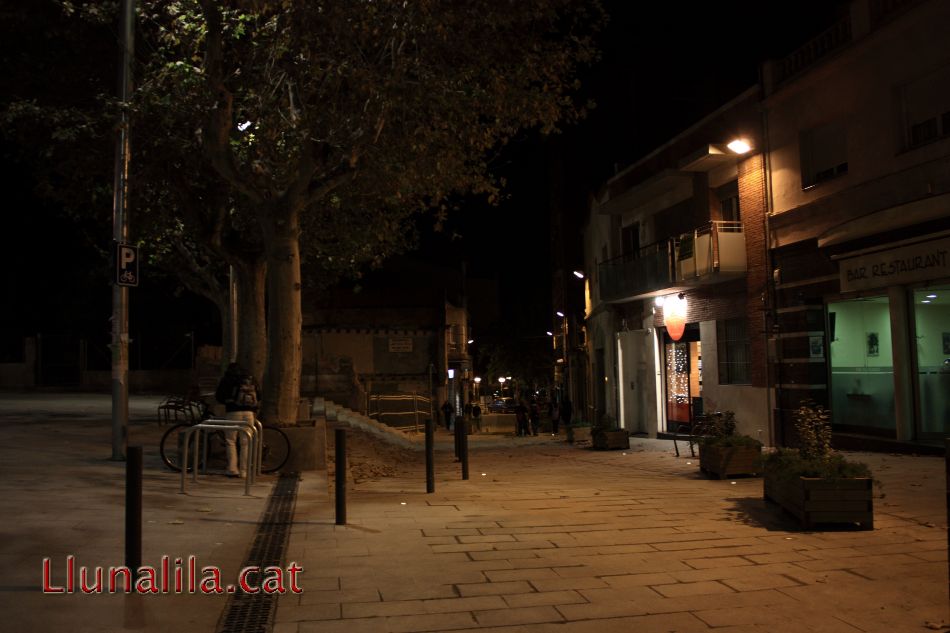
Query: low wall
(162, 381)
(17, 376)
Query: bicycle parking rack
(254, 433)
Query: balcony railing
(628, 276)
(716, 248)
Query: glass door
(932, 326)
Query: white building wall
(750, 404)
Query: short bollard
(133, 511)
(430, 456)
(463, 440)
(340, 440)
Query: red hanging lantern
(674, 316)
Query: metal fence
(406, 411)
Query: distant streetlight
(549, 333)
(470, 341)
(579, 274)
(560, 314)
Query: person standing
(477, 417)
(534, 415)
(566, 411)
(521, 419)
(447, 412)
(240, 394)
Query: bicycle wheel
(275, 449)
(170, 448)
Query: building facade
(858, 149)
(815, 265)
(684, 227)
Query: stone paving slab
(569, 541)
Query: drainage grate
(254, 612)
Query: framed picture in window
(874, 347)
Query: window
(926, 107)
(630, 241)
(824, 153)
(735, 354)
(728, 196)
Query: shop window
(862, 366)
(932, 327)
(824, 153)
(735, 354)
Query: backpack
(245, 393)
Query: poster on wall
(816, 347)
(873, 345)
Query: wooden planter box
(606, 440)
(578, 434)
(824, 500)
(724, 461)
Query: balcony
(627, 277)
(711, 254)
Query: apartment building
(858, 154)
(676, 246)
(815, 265)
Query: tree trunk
(249, 278)
(284, 318)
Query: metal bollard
(430, 456)
(458, 440)
(133, 511)
(340, 440)
(463, 437)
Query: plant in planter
(723, 453)
(815, 484)
(608, 435)
(578, 432)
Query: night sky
(664, 66)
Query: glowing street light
(579, 274)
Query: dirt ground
(369, 458)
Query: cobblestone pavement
(546, 537)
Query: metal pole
(430, 456)
(458, 438)
(464, 449)
(232, 312)
(340, 437)
(120, 233)
(133, 511)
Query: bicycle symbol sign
(126, 265)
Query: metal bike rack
(253, 433)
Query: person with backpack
(240, 394)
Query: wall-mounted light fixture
(739, 146)
(579, 274)
(674, 315)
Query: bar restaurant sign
(897, 266)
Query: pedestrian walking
(555, 417)
(477, 417)
(534, 416)
(240, 394)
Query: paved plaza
(544, 537)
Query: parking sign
(126, 265)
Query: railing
(628, 276)
(718, 247)
(830, 40)
(400, 411)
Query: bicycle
(275, 449)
